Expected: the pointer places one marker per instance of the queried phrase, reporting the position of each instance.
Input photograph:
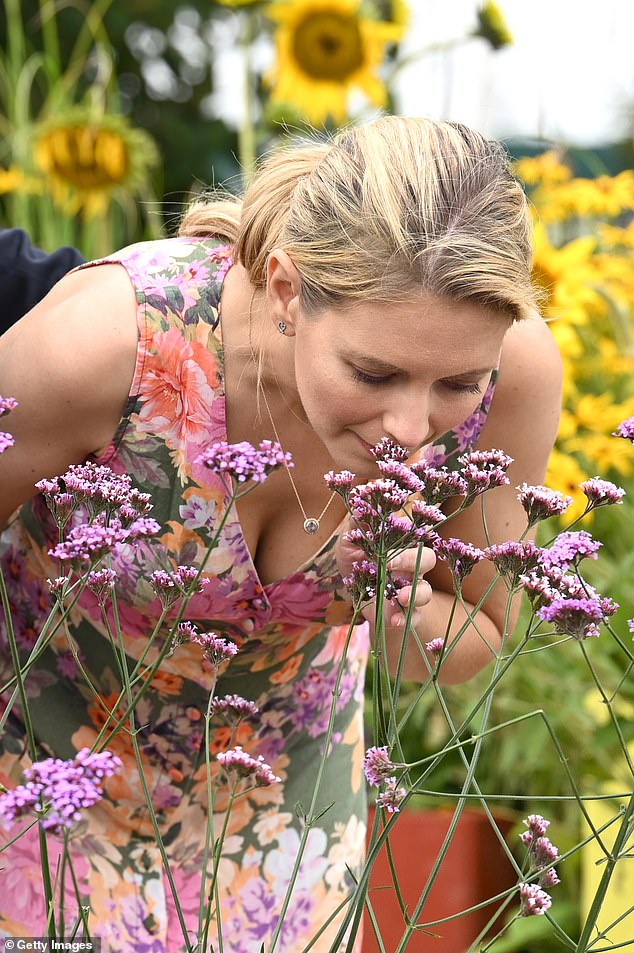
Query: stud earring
(281, 327)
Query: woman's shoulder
(179, 258)
(530, 364)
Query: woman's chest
(272, 523)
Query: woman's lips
(368, 447)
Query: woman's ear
(283, 285)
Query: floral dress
(290, 634)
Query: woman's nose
(406, 421)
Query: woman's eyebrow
(371, 363)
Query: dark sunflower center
(87, 157)
(328, 46)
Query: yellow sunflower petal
(325, 49)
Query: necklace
(311, 523)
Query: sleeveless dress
(290, 634)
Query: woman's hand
(402, 569)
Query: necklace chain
(311, 523)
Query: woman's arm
(522, 422)
(69, 363)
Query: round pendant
(311, 525)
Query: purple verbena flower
(88, 543)
(401, 474)
(543, 852)
(6, 441)
(438, 483)
(537, 827)
(549, 878)
(483, 470)
(579, 618)
(625, 429)
(341, 482)
(540, 502)
(630, 625)
(362, 581)
(512, 559)
(601, 492)
(381, 496)
(460, 557)
(7, 404)
(569, 549)
(59, 790)
(233, 708)
(533, 900)
(170, 586)
(57, 587)
(215, 649)
(435, 646)
(238, 765)
(377, 766)
(386, 449)
(391, 796)
(101, 582)
(243, 462)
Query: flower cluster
(379, 770)
(7, 404)
(90, 542)
(601, 492)
(99, 490)
(58, 790)
(540, 502)
(483, 470)
(243, 462)
(625, 429)
(513, 559)
(460, 557)
(215, 649)
(238, 765)
(233, 708)
(101, 582)
(542, 854)
(170, 586)
(579, 618)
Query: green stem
(246, 132)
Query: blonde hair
(385, 210)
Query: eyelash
(362, 378)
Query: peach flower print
(177, 391)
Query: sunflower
(492, 26)
(89, 161)
(326, 48)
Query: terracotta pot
(474, 869)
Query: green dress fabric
(290, 634)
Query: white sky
(569, 76)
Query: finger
(407, 560)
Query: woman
(376, 286)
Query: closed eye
(463, 388)
(371, 380)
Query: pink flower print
(435, 454)
(469, 430)
(22, 878)
(178, 390)
(297, 600)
